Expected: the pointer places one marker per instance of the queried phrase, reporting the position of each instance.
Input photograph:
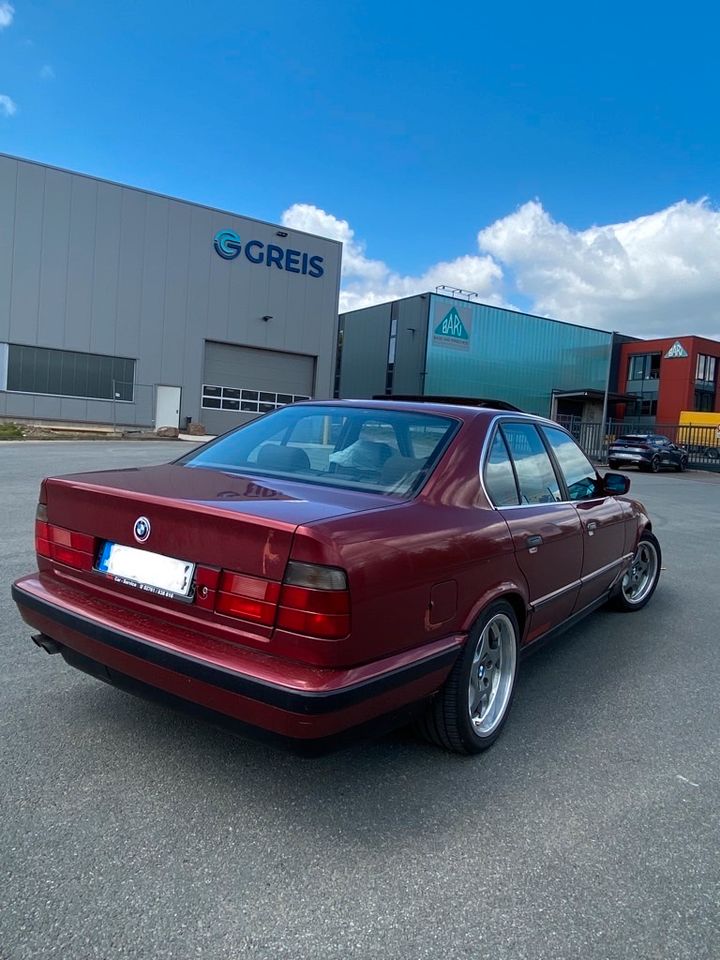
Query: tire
(613, 464)
(682, 466)
(655, 465)
(638, 584)
(456, 719)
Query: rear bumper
(239, 684)
(631, 459)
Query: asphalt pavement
(590, 830)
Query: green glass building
(433, 344)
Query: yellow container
(699, 429)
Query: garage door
(239, 383)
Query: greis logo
(228, 245)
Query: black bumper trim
(295, 701)
(298, 746)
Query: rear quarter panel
(405, 566)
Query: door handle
(534, 541)
(591, 528)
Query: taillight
(312, 600)
(315, 600)
(63, 546)
(249, 598)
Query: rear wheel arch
(520, 608)
(512, 594)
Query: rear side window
(499, 475)
(535, 473)
(579, 474)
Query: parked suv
(647, 451)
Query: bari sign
(676, 351)
(453, 330)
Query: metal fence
(701, 442)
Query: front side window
(535, 473)
(380, 451)
(579, 474)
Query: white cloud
(366, 281)
(657, 275)
(47, 72)
(8, 107)
(7, 12)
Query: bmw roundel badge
(141, 530)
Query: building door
(167, 406)
(241, 383)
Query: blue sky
(407, 130)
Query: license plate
(150, 572)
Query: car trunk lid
(206, 517)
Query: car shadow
(397, 789)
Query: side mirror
(615, 484)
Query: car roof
(458, 411)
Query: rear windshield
(634, 438)
(382, 451)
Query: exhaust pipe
(48, 645)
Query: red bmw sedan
(338, 566)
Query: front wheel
(655, 464)
(639, 582)
(682, 466)
(470, 710)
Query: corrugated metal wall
(512, 356)
(366, 343)
(97, 267)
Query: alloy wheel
(492, 674)
(640, 579)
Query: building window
(392, 346)
(705, 369)
(705, 373)
(245, 401)
(68, 373)
(704, 401)
(338, 356)
(641, 408)
(644, 366)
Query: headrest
(289, 459)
